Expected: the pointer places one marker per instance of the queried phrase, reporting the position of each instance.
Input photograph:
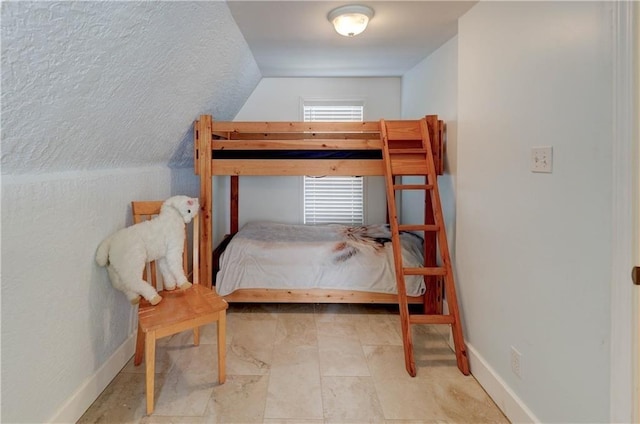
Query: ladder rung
(413, 186)
(431, 319)
(419, 227)
(425, 271)
(399, 151)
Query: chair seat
(180, 310)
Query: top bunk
(303, 148)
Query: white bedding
(283, 256)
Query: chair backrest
(145, 210)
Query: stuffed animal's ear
(190, 202)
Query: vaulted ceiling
(90, 85)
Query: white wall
(279, 99)
(63, 325)
(534, 250)
(431, 88)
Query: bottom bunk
(274, 262)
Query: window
(336, 200)
(332, 199)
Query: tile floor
(301, 364)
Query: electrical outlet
(541, 159)
(516, 362)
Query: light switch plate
(542, 159)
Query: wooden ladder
(407, 151)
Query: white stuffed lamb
(126, 252)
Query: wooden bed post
(433, 297)
(203, 135)
(234, 211)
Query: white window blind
(341, 113)
(338, 200)
(331, 199)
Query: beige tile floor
(301, 364)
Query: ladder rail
(397, 259)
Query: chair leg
(222, 348)
(196, 336)
(150, 363)
(137, 358)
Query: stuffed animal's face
(187, 206)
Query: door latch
(635, 275)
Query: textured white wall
(89, 85)
(279, 99)
(115, 84)
(61, 319)
(534, 250)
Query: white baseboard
(510, 404)
(82, 399)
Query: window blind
(340, 113)
(338, 200)
(330, 199)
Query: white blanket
(283, 256)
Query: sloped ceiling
(88, 85)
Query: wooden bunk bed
(388, 148)
(291, 148)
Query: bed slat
(297, 135)
(296, 167)
(314, 296)
(292, 127)
(308, 144)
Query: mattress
(270, 255)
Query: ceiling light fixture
(350, 20)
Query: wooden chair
(179, 310)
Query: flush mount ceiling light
(350, 20)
